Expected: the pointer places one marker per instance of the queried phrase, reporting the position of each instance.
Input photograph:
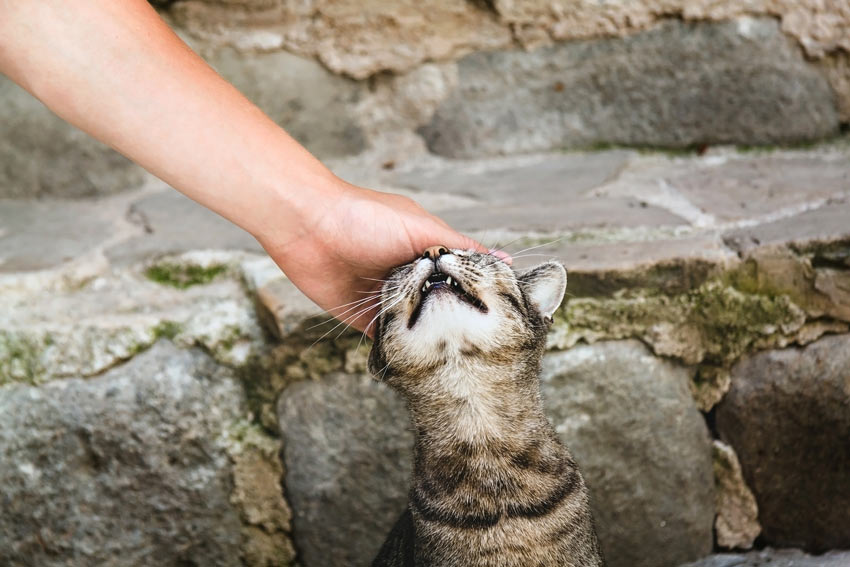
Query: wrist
(291, 212)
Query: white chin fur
(447, 319)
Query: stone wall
(167, 397)
(470, 78)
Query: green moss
(604, 146)
(167, 330)
(20, 358)
(183, 276)
(715, 323)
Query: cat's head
(451, 305)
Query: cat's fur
(492, 484)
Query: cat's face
(439, 310)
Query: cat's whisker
(538, 246)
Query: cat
(461, 337)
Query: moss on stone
(715, 322)
(20, 358)
(166, 330)
(183, 276)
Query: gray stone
(347, 454)
(39, 235)
(545, 178)
(567, 215)
(174, 223)
(643, 447)
(774, 558)
(41, 155)
(787, 415)
(124, 469)
(824, 225)
(536, 193)
(761, 186)
(675, 85)
(315, 106)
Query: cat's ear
(544, 286)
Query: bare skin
(114, 69)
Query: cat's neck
(478, 403)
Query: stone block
(644, 450)
(348, 457)
(774, 558)
(173, 223)
(787, 415)
(127, 468)
(313, 105)
(41, 155)
(675, 85)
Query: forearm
(114, 69)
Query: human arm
(114, 69)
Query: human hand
(345, 248)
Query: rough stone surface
(63, 326)
(734, 190)
(347, 453)
(353, 37)
(788, 417)
(41, 155)
(736, 525)
(819, 25)
(774, 558)
(537, 193)
(362, 39)
(39, 235)
(174, 223)
(837, 68)
(315, 106)
(823, 225)
(643, 447)
(675, 85)
(124, 469)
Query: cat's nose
(435, 252)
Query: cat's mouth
(441, 282)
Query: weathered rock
(675, 85)
(737, 523)
(400, 36)
(761, 186)
(347, 453)
(174, 223)
(837, 68)
(774, 558)
(316, 107)
(788, 417)
(822, 227)
(643, 447)
(41, 155)
(819, 25)
(714, 323)
(62, 327)
(257, 485)
(128, 468)
(351, 37)
(283, 310)
(39, 235)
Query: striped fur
(492, 484)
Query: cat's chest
(511, 543)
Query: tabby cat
(461, 337)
